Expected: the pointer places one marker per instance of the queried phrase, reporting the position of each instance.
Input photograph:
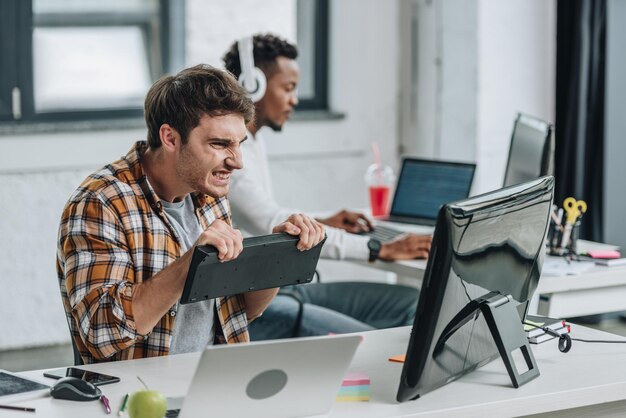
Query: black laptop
(423, 187)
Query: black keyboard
(384, 233)
(172, 413)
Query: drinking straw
(379, 167)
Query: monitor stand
(506, 329)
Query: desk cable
(565, 340)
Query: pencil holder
(555, 235)
(573, 238)
(556, 246)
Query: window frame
(16, 41)
(170, 32)
(321, 18)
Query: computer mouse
(75, 389)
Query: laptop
(423, 187)
(278, 378)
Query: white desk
(599, 290)
(589, 376)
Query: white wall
(517, 73)
(331, 157)
(38, 172)
(478, 63)
(37, 175)
(440, 65)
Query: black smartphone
(91, 377)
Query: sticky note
(354, 388)
(529, 325)
(398, 359)
(355, 379)
(604, 254)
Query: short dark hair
(266, 48)
(183, 99)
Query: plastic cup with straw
(379, 180)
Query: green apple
(147, 404)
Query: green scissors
(574, 209)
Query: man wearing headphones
(328, 307)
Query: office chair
(298, 324)
(78, 360)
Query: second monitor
(531, 153)
(483, 268)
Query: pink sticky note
(604, 254)
(355, 379)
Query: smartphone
(91, 377)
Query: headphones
(252, 79)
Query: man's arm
(353, 222)
(153, 298)
(97, 275)
(254, 210)
(406, 247)
(310, 232)
(111, 309)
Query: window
(85, 59)
(312, 28)
(80, 60)
(304, 22)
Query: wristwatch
(374, 246)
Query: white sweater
(256, 212)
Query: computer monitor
(531, 154)
(484, 265)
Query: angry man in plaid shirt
(127, 233)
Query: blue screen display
(425, 186)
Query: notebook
(15, 388)
(423, 187)
(278, 378)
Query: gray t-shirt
(194, 327)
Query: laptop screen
(425, 185)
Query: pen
(105, 402)
(123, 406)
(17, 408)
(559, 216)
(566, 234)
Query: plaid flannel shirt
(114, 235)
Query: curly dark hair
(266, 48)
(183, 99)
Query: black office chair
(296, 328)
(286, 292)
(78, 360)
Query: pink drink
(379, 200)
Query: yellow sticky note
(529, 325)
